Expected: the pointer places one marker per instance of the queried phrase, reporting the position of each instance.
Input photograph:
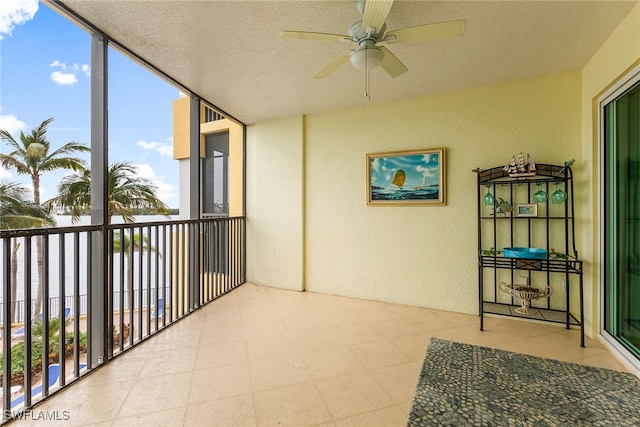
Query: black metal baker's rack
(551, 228)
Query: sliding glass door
(620, 121)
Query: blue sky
(45, 72)
(417, 168)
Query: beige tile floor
(265, 357)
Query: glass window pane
(141, 134)
(622, 235)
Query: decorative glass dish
(531, 253)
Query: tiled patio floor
(263, 356)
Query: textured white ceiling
(230, 52)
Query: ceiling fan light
(367, 59)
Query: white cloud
(14, 13)
(164, 150)
(164, 191)
(63, 78)
(68, 74)
(427, 172)
(375, 164)
(5, 173)
(11, 123)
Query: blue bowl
(531, 253)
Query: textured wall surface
(274, 203)
(609, 64)
(424, 256)
(181, 108)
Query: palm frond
(70, 148)
(17, 211)
(12, 161)
(38, 133)
(122, 241)
(6, 136)
(126, 191)
(69, 163)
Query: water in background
(54, 260)
(404, 194)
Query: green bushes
(17, 356)
(18, 350)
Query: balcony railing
(211, 115)
(155, 273)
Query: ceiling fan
(370, 31)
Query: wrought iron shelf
(551, 265)
(548, 173)
(520, 218)
(554, 228)
(535, 313)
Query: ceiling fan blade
(330, 67)
(391, 64)
(375, 13)
(306, 35)
(440, 30)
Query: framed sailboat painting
(406, 178)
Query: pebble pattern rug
(467, 385)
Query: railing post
(6, 331)
(194, 204)
(98, 332)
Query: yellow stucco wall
(181, 108)
(616, 56)
(308, 223)
(424, 256)
(275, 209)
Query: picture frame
(415, 177)
(527, 210)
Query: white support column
(98, 292)
(194, 204)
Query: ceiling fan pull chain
(367, 77)
(366, 86)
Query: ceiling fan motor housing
(358, 33)
(367, 55)
(371, 30)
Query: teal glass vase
(540, 196)
(488, 198)
(559, 196)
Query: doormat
(467, 385)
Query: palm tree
(53, 328)
(18, 212)
(126, 192)
(122, 242)
(31, 155)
